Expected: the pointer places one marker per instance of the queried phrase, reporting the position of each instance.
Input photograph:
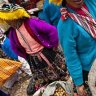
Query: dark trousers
(85, 77)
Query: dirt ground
(19, 88)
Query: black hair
(63, 3)
(12, 1)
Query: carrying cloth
(50, 89)
(87, 22)
(7, 69)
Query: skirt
(44, 73)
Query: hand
(81, 90)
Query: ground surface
(19, 88)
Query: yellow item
(13, 15)
(56, 2)
(7, 69)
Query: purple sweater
(46, 34)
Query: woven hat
(12, 12)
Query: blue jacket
(6, 47)
(51, 13)
(79, 47)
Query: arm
(47, 31)
(67, 37)
(52, 16)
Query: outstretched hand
(81, 90)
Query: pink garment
(27, 41)
(30, 45)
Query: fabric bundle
(7, 69)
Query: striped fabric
(87, 22)
(7, 69)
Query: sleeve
(46, 12)
(15, 45)
(52, 17)
(48, 31)
(67, 37)
(43, 16)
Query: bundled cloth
(56, 88)
(7, 69)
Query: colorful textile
(87, 22)
(79, 47)
(46, 34)
(92, 79)
(44, 73)
(7, 69)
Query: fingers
(83, 93)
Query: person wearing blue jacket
(6, 48)
(76, 30)
(51, 13)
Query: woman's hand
(81, 90)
